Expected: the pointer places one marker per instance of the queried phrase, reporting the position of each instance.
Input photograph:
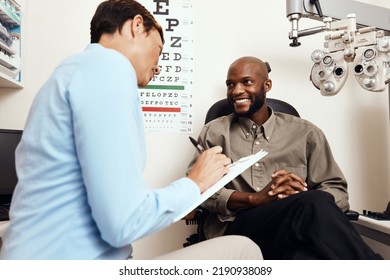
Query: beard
(258, 102)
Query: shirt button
(258, 189)
(257, 164)
(257, 143)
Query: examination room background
(355, 121)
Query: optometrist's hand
(209, 168)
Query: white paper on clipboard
(235, 169)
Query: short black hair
(111, 15)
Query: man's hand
(209, 168)
(285, 183)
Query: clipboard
(235, 169)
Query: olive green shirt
(292, 143)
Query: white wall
(355, 121)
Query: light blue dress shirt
(81, 192)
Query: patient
(292, 202)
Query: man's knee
(316, 197)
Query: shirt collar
(269, 125)
(251, 128)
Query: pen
(197, 145)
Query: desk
(376, 233)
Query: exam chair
(223, 108)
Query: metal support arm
(356, 33)
(366, 15)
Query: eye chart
(167, 100)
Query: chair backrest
(223, 108)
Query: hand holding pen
(210, 166)
(201, 149)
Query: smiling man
(290, 203)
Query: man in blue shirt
(81, 192)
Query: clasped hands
(284, 184)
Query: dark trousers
(308, 225)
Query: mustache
(257, 102)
